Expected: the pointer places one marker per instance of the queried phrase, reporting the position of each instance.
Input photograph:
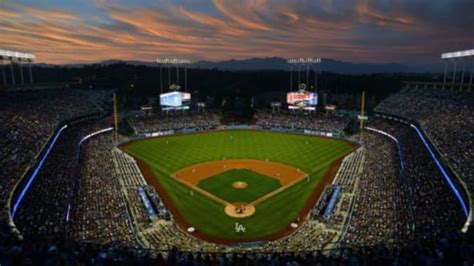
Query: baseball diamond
(230, 187)
(195, 176)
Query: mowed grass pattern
(166, 155)
(257, 185)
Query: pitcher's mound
(240, 210)
(239, 185)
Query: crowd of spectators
(346, 178)
(51, 192)
(131, 179)
(380, 213)
(402, 196)
(263, 118)
(435, 206)
(447, 117)
(292, 120)
(311, 236)
(175, 121)
(350, 169)
(453, 249)
(27, 120)
(99, 214)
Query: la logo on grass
(239, 228)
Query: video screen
(175, 99)
(302, 100)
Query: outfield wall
(322, 133)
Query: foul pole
(362, 116)
(115, 117)
(362, 107)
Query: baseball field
(257, 181)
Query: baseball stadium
(194, 159)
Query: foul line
(202, 191)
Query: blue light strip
(441, 169)
(35, 173)
(68, 213)
(402, 165)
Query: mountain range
(276, 63)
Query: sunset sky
(78, 31)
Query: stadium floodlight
(465, 53)
(173, 61)
(170, 62)
(17, 55)
(454, 55)
(304, 60)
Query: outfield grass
(221, 185)
(166, 155)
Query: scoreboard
(302, 100)
(175, 100)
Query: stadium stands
(436, 208)
(379, 212)
(99, 214)
(175, 121)
(28, 123)
(107, 223)
(447, 117)
(29, 119)
(320, 122)
(49, 195)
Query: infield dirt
(195, 173)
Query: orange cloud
(360, 31)
(50, 14)
(245, 13)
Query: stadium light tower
(302, 62)
(16, 57)
(169, 63)
(455, 57)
